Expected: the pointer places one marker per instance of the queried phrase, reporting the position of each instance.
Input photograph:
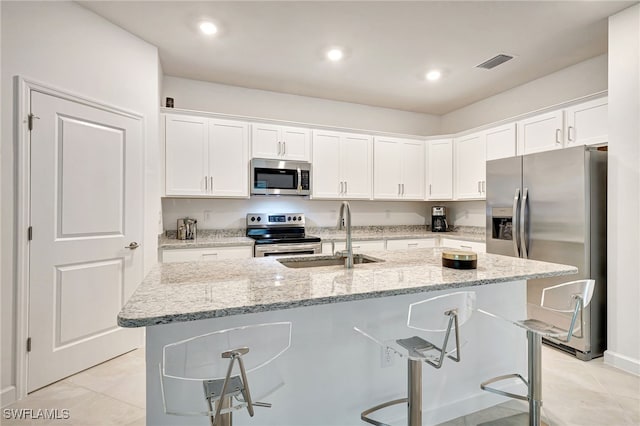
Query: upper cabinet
(342, 165)
(399, 169)
(587, 123)
(470, 167)
(280, 142)
(501, 142)
(206, 157)
(439, 169)
(543, 132)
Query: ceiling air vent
(495, 61)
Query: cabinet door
(206, 254)
(469, 166)
(587, 123)
(413, 170)
(501, 142)
(355, 163)
(295, 143)
(411, 244)
(540, 133)
(186, 155)
(229, 158)
(387, 168)
(360, 246)
(265, 141)
(326, 182)
(440, 169)
(464, 245)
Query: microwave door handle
(514, 221)
(299, 180)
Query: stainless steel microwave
(278, 177)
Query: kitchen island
(331, 372)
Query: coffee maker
(439, 219)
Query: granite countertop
(235, 237)
(178, 292)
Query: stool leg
(223, 419)
(534, 341)
(414, 404)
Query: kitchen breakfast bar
(330, 372)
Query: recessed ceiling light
(335, 54)
(208, 28)
(433, 75)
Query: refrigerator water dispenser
(502, 223)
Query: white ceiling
(279, 46)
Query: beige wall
(63, 45)
(582, 79)
(220, 98)
(623, 242)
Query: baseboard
(622, 362)
(7, 396)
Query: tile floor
(575, 393)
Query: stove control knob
(259, 219)
(299, 217)
(253, 218)
(289, 219)
(294, 218)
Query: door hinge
(30, 233)
(28, 344)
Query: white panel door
(295, 143)
(501, 142)
(440, 170)
(228, 158)
(326, 182)
(265, 141)
(86, 209)
(186, 158)
(356, 158)
(387, 168)
(469, 152)
(587, 123)
(413, 170)
(540, 133)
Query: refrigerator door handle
(516, 200)
(523, 224)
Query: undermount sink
(306, 262)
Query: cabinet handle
(429, 189)
(355, 247)
(403, 189)
(345, 187)
(467, 247)
(279, 148)
(558, 136)
(569, 131)
(399, 190)
(211, 177)
(206, 184)
(412, 245)
(284, 148)
(341, 187)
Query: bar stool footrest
(369, 420)
(484, 386)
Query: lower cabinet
(463, 245)
(411, 244)
(206, 254)
(357, 246)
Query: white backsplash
(463, 213)
(228, 213)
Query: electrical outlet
(387, 357)
(207, 215)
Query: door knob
(133, 245)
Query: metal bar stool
(571, 298)
(208, 375)
(439, 314)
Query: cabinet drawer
(208, 254)
(359, 246)
(463, 245)
(411, 244)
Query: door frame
(23, 87)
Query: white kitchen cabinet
(463, 245)
(587, 123)
(359, 246)
(206, 157)
(411, 243)
(186, 155)
(469, 167)
(206, 254)
(342, 165)
(542, 132)
(439, 170)
(280, 142)
(398, 169)
(500, 142)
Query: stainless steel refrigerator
(552, 206)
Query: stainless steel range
(279, 234)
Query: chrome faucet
(345, 223)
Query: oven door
(279, 177)
(271, 250)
